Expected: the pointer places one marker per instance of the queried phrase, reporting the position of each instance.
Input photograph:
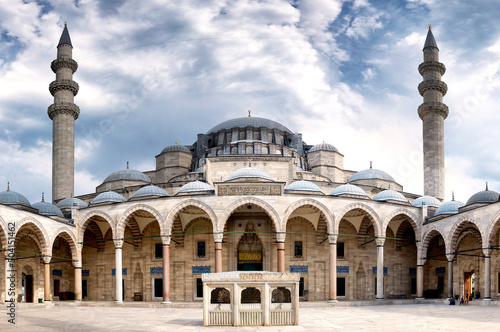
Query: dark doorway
(123, 289)
(57, 283)
(441, 284)
(301, 287)
(29, 288)
(158, 287)
(84, 289)
(340, 286)
(199, 287)
(250, 250)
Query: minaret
(433, 112)
(63, 113)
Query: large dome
(69, 202)
(245, 122)
(9, 197)
(108, 197)
(485, 196)
(249, 173)
(323, 147)
(176, 148)
(128, 175)
(48, 209)
(371, 174)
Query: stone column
(7, 274)
(487, 274)
(380, 268)
(280, 238)
(218, 251)
(450, 258)
(118, 271)
(332, 238)
(78, 277)
(166, 269)
(420, 282)
(46, 280)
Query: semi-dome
(249, 122)
(47, 209)
(348, 189)
(390, 195)
(175, 148)
(485, 196)
(371, 174)
(9, 197)
(69, 202)
(196, 187)
(450, 207)
(427, 201)
(323, 147)
(148, 191)
(108, 197)
(128, 175)
(302, 185)
(249, 173)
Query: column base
(487, 299)
(332, 301)
(166, 302)
(420, 298)
(118, 302)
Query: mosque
(248, 195)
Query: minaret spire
(433, 112)
(63, 113)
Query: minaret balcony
(63, 108)
(432, 85)
(58, 85)
(433, 107)
(64, 63)
(431, 65)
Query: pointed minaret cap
(65, 40)
(430, 42)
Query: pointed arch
(457, 228)
(245, 201)
(311, 202)
(3, 233)
(39, 230)
(69, 236)
(90, 217)
(492, 230)
(430, 233)
(184, 204)
(122, 222)
(412, 219)
(358, 206)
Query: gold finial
(429, 26)
(175, 142)
(323, 141)
(65, 24)
(249, 113)
(127, 164)
(8, 186)
(370, 165)
(43, 197)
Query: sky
(155, 72)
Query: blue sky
(155, 72)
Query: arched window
(250, 295)
(220, 295)
(281, 295)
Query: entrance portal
(467, 284)
(250, 250)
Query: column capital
(380, 241)
(118, 243)
(77, 264)
(165, 239)
(332, 238)
(46, 259)
(280, 236)
(218, 236)
(450, 256)
(487, 252)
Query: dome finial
(8, 186)
(452, 195)
(127, 164)
(65, 24)
(323, 141)
(249, 113)
(175, 141)
(429, 26)
(43, 197)
(486, 185)
(370, 165)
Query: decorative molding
(63, 108)
(64, 63)
(433, 107)
(431, 66)
(436, 85)
(69, 85)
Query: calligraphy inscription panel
(244, 190)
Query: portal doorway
(29, 288)
(250, 250)
(469, 284)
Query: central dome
(249, 122)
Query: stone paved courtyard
(418, 317)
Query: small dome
(48, 209)
(485, 196)
(426, 200)
(108, 197)
(176, 148)
(450, 207)
(69, 202)
(390, 195)
(150, 191)
(348, 189)
(128, 175)
(196, 187)
(249, 173)
(371, 173)
(9, 197)
(245, 122)
(302, 185)
(323, 147)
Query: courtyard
(313, 317)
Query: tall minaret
(63, 113)
(433, 112)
